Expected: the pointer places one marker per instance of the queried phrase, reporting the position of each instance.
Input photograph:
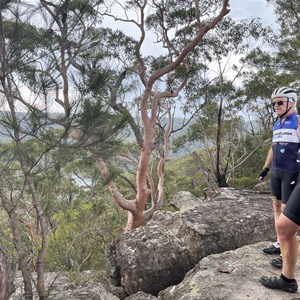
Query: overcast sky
(253, 8)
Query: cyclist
(281, 158)
(287, 227)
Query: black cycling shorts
(281, 187)
(292, 209)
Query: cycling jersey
(285, 144)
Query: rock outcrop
(86, 286)
(207, 251)
(231, 275)
(158, 255)
(185, 200)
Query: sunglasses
(279, 103)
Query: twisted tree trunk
(7, 275)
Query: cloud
(241, 9)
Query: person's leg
(288, 183)
(277, 211)
(287, 226)
(276, 190)
(289, 245)
(275, 247)
(282, 185)
(289, 249)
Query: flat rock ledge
(232, 275)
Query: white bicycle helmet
(285, 92)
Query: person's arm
(298, 129)
(267, 166)
(269, 159)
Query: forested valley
(109, 108)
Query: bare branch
(129, 205)
(187, 49)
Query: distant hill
(6, 126)
(24, 118)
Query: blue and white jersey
(285, 144)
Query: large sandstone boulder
(158, 255)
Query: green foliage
(6, 237)
(287, 13)
(280, 67)
(97, 83)
(243, 182)
(100, 128)
(81, 222)
(105, 45)
(181, 174)
(81, 6)
(22, 36)
(81, 234)
(204, 127)
(267, 75)
(254, 164)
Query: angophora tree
(218, 126)
(172, 22)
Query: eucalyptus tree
(270, 67)
(215, 124)
(8, 91)
(6, 276)
(219, 124)
(263, 75)
(288, 37)
(277, 65)
(39, 41)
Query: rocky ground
(209, 249)
(232, 275)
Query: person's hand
(263, 174)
